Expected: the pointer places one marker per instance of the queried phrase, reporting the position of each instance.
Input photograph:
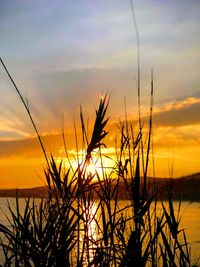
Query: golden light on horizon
(101, 162)
(28, 162)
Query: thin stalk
(138, 61)
(27, 110)
(79, 179)
(138, 78)
(128, 138)
(149, 139)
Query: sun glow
(91, 168)
(96, 166)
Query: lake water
(190, 221)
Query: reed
(56, 232)
(82, 221)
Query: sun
(96, 167)
(91, 168)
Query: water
(190, 220)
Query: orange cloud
(177, 105)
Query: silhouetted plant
(82, 222)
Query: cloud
(65, 91)
(177, 105)
(70, 52)
(173, 137)
(30, 148)
(13, 127)
(186, 112)
(176, 123)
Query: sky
(63, 54)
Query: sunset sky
(66, 53)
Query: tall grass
(82, 221)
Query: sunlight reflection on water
(190, 222)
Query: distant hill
(39, 192)
(185, 188)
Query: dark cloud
(178, 117)
(30, 147)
